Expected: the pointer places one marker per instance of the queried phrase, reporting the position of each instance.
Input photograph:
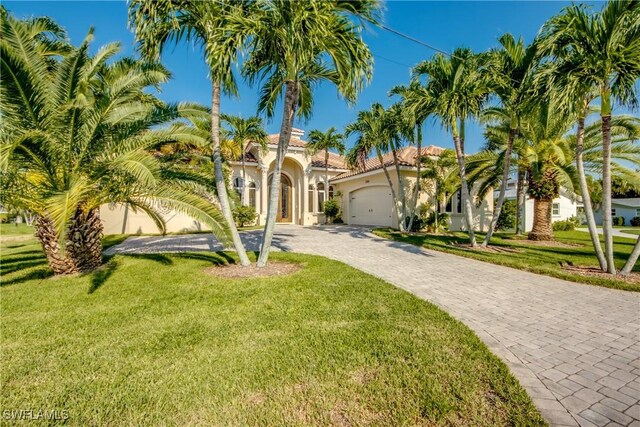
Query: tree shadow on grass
(100, 276)
(37, 274)
(19, 263)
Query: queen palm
(241, 131)
(218, 27)
(459, 89)
(322, 142)
(296, 45)
(603, 51)
(75, 135)
(512, 69)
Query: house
(563, 207)
(365, 194)
(625, 208)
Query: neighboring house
(625, 208)
(563, 207)
(365, 194)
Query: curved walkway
(574, 348)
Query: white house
(563, 207)
(626, 208)
(365, 194)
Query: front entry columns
(305, 195)
(264, 192)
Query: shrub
(331, 209)
(418, 223)
(618, 220)
(507, 218)
(563, 225)
(635, 221)
(244, 215)
(443, 221)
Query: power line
(408, 37)
(390, 60)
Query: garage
(371, 206)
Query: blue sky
(446, 25)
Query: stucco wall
(121, 219)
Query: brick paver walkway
(575, 348)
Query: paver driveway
(575, 348)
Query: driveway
(575, 348)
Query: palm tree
(242, 131)
(418, 105)
(511, 69)
(376, 130)
(295, 45)
(323, 142)
(442, 172)
(603, 50)
(218, 27)
(459, 88)
(74, 136)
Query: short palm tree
(442, 172)
(512, 68)
(324, 142)
(295, 45)
(218, 27)
(240, 132)
(603, 53)
(459, 87)
(74, 136)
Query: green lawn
(635, 231)
(15, 230)
(154, 340)
(530, 257)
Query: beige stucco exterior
(304, 176)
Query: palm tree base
(540, 236)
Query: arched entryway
(285, 199)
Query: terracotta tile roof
(406, 157)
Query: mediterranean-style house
(364, 194)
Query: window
(252, 195)
(331, 192)
(613, 212)
(555, 209)
(459, 201)
(637, 211)
(320, 197)
(310, 193)
(237, 185)
(449, 201)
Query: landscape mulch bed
(491, 249)
(237, 271)
(633, 278)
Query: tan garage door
(371, 206)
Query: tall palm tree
(242, 131)
(295, 45)
(75, 134)
(418, 104)
(604, 54)
(323, 142)
(375, 130)
(459, 87)
(511, 68)
(219, 28)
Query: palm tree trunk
(542, 226)
(326, 179)
(290, 102)
(82, 251)
(628, 266)
(401, 193)
(503, 187)
(607, 225)
(394, 197)
(468, 212)
(244, 178)
(416, 189)
(586, 198)
(519, 200)
(221, 186)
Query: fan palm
(323, 142)
(459, 88)
(82, 140)
(241, 131)
(295, 46)
(219, 28)
(512, 69)
(602, 51)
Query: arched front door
(284, 200)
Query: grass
(155, 340)
(635, 231)
(537, 259)
(16, 230)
